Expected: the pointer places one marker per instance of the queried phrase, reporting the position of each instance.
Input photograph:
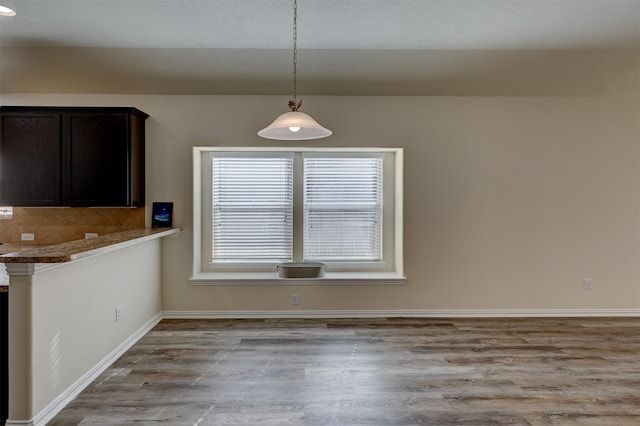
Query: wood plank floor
(538, 371)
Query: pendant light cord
(293, 103)
(294, 125)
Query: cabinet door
(97, 158)
(30, 159)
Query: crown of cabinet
(72, 156)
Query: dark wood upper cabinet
(80, 156)
(30, 159)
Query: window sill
(272, 278)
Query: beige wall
(510, 202)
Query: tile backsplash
(59, 225)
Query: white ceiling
(345, 46)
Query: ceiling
(357, 47)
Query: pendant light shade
(294, 125)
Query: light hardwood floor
(538, 371)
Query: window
(252, 208)
(342, 208)
(257, 207)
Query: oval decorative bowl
(301, 269)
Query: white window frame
(377, 261)
(280, 216)
(388, 271)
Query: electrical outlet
(88, 235)
(587, 284)
(118, 313)
(27, 237)
(294, 299)
(6, 212)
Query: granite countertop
(79, 249)
(14, 247)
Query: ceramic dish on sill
(301, 270)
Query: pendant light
(294, 125)
(5, 11)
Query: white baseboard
(53, 408)
(422, 313)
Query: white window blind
(342, 208)
(252, 207)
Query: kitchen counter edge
(80, 249)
